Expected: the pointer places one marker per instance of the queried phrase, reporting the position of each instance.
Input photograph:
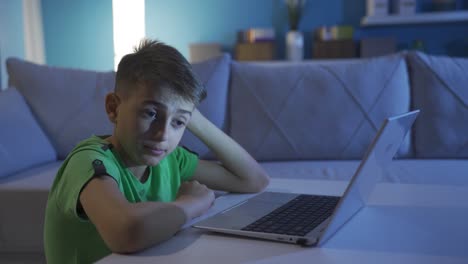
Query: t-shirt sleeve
(187, 161)
(78, 171)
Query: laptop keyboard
(297, 217)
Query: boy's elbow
(260, 182)
(127, 237)
(137, 232)
(264, 182)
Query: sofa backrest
(69, 103)
(439, 86)
(316, 110)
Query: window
(129, 26)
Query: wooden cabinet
(333, 49)
(260, 51)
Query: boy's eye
(149, 113)
(178, 123)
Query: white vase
(294, 46)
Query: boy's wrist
(196, 121)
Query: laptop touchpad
(248, 212)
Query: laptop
(310, 220)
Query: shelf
(422, 18)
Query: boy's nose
(160, 131)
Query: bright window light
(129, 26)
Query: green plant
(295, 8)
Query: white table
(402, 223)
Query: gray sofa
(312, 119)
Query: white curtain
(33, 31)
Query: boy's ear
(112, 104)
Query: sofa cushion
(23, 144)
(68, 103)
(214, 74)
(316, 110)
(439, 89)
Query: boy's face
(149, 124)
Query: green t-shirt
(69, 237)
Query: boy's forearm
(233, 157)
(154, 222)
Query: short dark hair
(155, 64)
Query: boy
(135, 188)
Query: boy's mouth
(155, 151)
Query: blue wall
(180, 23)
(78, 33)
(11, 34)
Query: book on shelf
(403, 7)
(255, 44)
(377, 7)
(337, 32)
(254, 35)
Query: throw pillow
(316, 110)
(23, 144)
(439, 87)
(214, 74)
(68, 103)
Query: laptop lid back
(379, 154)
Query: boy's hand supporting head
(194, 199)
